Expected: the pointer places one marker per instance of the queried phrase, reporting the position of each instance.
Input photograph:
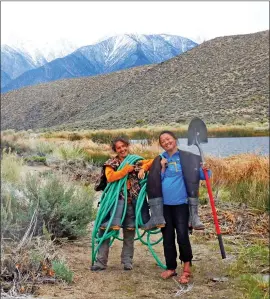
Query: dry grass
(233, 169)
(152, 132)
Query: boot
(116, 222)
(128, 249)
(157, 220)
(144, 210)
(194, 219)
(102, 256)
(129, 221)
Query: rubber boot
(129, 221)
(102, 255)
(194, 219)
(128, 249)
(116, 222)
(144, 210)
(156, 208)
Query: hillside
(222, 80)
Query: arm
(113, 176)
(145, 166)
(202, 177)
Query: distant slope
(222, 80)
(5, 78)
(113, 54)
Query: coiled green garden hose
(109, 200)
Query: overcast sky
(84, 23)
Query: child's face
(167, 142)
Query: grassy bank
(152, 133)
(149, 132)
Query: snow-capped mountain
(113, 54)
(124, 51)
(47, 51)
(14, 62)
(24, 55)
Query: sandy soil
(144, 280)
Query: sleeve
(146, 164)
(202, 177)
(113, 176)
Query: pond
(222, 147)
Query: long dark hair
(167, 132)
(119, 138)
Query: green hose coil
(109, 200)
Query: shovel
(197, 133)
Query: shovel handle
(209, 189)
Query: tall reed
(245, 176)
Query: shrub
(44, 148)
(36, 159)
(8, 132)
(11, 166)
(101, 137)
(66, 210)
(62, 271)
(140, 122)
(74, 136)
(97, 158)
(70, 152)
(106, 137)
(14, 211)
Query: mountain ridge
(219, 81)
(112, 54)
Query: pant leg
(168, 234)
(128, 246)
(103, 252)
(180, 219)
(129, 221)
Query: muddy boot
(129, 221)
(128, 249)
(116, 222)
(194, 219)
(156, 208)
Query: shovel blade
(197, 132)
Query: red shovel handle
(209, 189)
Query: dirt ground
(144, 280)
